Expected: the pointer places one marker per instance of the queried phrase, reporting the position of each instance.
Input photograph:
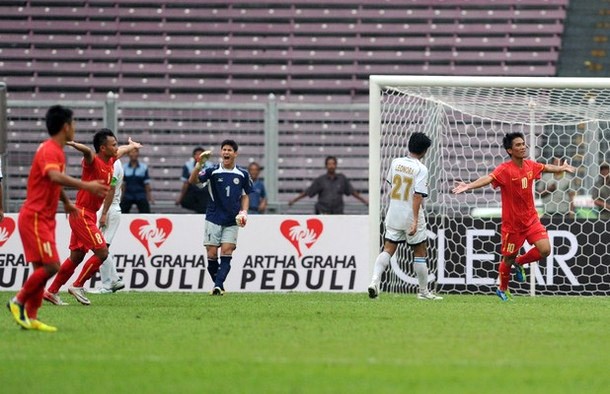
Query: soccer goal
(466, 117)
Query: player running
(405, 220)
(520, 221)
(227, 209)
(85, 233)
(36, 221)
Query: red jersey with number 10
(518, 209)
(42, 193)
(97, 170)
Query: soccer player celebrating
(227, 209)
(85, 233)
(405, 220)
(36, 221)
(520, 220)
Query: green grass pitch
(310, 343)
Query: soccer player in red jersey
(520, 221)
(36, 220)
(86, 235)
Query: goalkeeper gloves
(241, 218)
(203, 157)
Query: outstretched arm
(297, 198)
(87, 152)
(96, 187)
(124, 149)
(359, 197)
(564, 167)
(463, 186)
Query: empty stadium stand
(229, 51)
(235, 50)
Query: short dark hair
(507, 141)
(57, 116)
(330, 158)
(197, 149)
(100, 138)
(419, 143)
(231, 143)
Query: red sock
(38, 279)
(34, 303)
(504, 271)
(65, 272)
(532, 255)
(89, 269)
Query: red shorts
(38, 237)
(512, 242)
(85, 233)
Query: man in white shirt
(405, 220)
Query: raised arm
(463, 186)
(87, 152)
(124, 149)
(203, 157)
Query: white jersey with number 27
(406, 176)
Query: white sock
(420, 267)
(382, 262)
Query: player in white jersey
(109, 218)
(405, 220)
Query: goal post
(466, 117)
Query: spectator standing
(258, 196)
(193, 197)
(136, 185)
(330, 189)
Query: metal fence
(290, 141)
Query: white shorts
(112, 225)
(215, 235)
(400, 236)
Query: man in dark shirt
(330, 188)
(136, 185)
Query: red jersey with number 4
(42, 193)
(518, 209)
(97, 170)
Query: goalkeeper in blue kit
(229, 186)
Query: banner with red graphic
(166, 253)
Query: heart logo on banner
(151, 234)
(301, 236)
(7, 227)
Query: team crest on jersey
(236, 181)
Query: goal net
(466, 118)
